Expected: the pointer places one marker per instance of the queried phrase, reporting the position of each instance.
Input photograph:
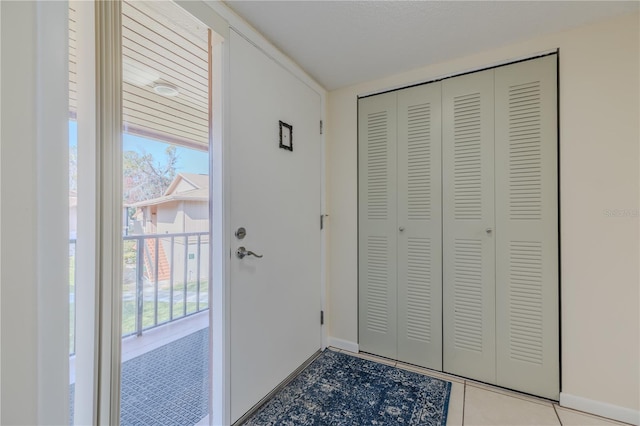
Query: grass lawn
(72, 303)
(129, 306)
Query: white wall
(18, 273)
(34, 191)
(599, 141)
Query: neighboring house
(184, 207)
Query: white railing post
(139, 284)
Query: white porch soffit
(161, 44)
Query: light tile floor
(471, 403)
(477, 404)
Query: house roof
(196, 190)
(195, 180)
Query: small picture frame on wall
(286, 136)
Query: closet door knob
(401, 229)
(489, 230)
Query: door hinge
(322, 216)
(321, 317)
(321, 127)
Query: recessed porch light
(165, 89)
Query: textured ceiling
(341, 43)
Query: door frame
(219, 202)
(221, 21)
(100, 337)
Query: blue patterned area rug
(339, 389)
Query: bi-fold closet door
(500, 229)
(400, 225)
(458, 226)
(527, 244)
(469, 347)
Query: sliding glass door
(166, 234)
(140, 255)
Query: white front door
(275, 195)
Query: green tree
(146, 178)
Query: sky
(189, 160)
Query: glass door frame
(98, 357)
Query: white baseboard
(599, 408)
(343, 344)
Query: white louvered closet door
(468, 224)
(527, 227)
(377, 230)
(420, 226)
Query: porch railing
(72, 296)
(165, 278)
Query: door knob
(242, 252)
(488, 230)
(401, 229)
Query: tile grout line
(591, 415)
(464, 399)
(555, 410)
(510, 394)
